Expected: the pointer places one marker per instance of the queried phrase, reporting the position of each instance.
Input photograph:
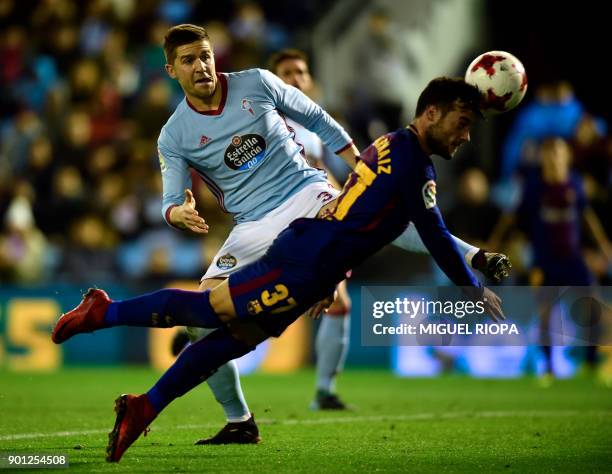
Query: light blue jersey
(244, 150)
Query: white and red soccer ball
(501, 79)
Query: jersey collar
(223, 82)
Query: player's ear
(432, 113)
(170, 70)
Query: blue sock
(195, 364)
(164, 309)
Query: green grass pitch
(447, 424)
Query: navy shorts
(276, 289)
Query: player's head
(445, 112)
(556, 156)
(190, 60)
(291, 65)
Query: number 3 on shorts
(281, 293)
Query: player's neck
(417, 128)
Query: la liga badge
(429, 194)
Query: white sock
(225, 385)
(331, 345)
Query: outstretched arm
(186, 216)
(439, 242)
(492, 265)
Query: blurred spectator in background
(223, 40)
(151, 112)
(554, 112)
(472, 216)
(22, 245)
(89, 253)
(15, 141)
(56, 213)
(255, 36)
(381, 77)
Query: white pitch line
(47, 435)
(344, 419)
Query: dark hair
(444, 92)
(179, 35)
(283, 55)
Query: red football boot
(134, 414)
(86, 317)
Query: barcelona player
(393, 184)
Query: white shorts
(249, 240)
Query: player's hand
(185, 216)
(492, 265)
(492, 305)
(317, 309)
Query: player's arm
(440, 244)
(438, 240)
(178, 203)
(591, 220)
(350, 155)
(185, 216)
(314, 148)
(597, 231)
(299, 107)
(330, 176)
(492, 265)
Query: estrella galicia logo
(227, 261)
(245, 151)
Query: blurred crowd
(83, 96)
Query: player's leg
(162, 309)
(545, 300)
(545, 313)
(331, 347)
(248, 324)
(194, 364)
(225, 385)
(245, 243)
(167, 307)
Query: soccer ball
(501, 79)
